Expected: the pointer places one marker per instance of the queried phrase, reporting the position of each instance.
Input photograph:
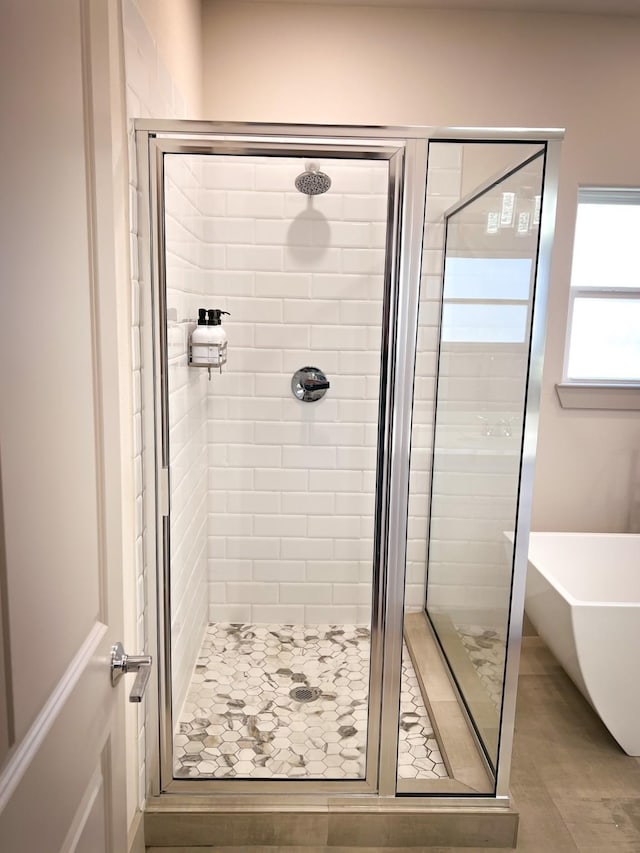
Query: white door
(62, 785)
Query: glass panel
(471, 369)
(273, 497)
(487, 278)
(477, 446)
(605, 339)
(464, 323)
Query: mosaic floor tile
(291, 701)
(486, 650)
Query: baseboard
(136, 834)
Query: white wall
(188, 391)
(151, 91)
(291, 484)
(291, 500)
(281, 62)
(444, 188)
(176, 28)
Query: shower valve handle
(309, 384)
(316, 384)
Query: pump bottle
(216, 337)
(208, 339)
(199, 350)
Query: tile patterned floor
(243, 717)
(486, 650)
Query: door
(274, 529)
(61, 737)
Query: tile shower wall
(188, 390)
(150, 93)
(292, 484)
(475, 473)
(291, 507)
(443, 190)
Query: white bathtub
(583, 597)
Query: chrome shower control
(309, 384)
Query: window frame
(598, 393)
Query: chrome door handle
(140, 664)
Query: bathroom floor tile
(289, 702)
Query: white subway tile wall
(150, 93)
(188, 442)
(290, 513)
(300, 481)
(475, 477)
(442, 193)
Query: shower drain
(305, 694)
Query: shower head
(313, 181)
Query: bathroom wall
(462, 68)
(292, 483)
(151, 91)
(176, 28)
(187, 388)
(444, 189)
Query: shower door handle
(122, 663)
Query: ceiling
(599, 7)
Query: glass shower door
(274, 461)
(490, 262)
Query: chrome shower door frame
(394, 152)
(406, 148)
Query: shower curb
(376, 826)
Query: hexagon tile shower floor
(245, 715)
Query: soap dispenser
(216, 337)
(199, 347)
(209, 340)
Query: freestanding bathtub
(583, 597)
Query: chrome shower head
(313, 181)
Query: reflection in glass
(484, 352)
(471, 373)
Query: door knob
(140, 664)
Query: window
(603, 339)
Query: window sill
(587, 395)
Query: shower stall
(341, 505)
